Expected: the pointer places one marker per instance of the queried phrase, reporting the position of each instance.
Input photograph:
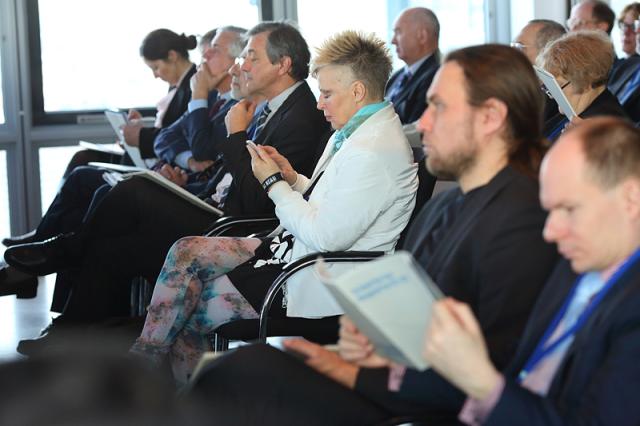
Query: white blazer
(362, 202)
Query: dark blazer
(597, 381)
(604, 104)
(196, 132)
(619, 79)
(177, 107)
(412, 101)
(493, 258)
(295, 130)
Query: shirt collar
(279, 99)
(413, 68)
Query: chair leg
(219, 343)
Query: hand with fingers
(239, 116)
(262, 165)
(355, 347)
(455, 348)
(324, 361)
(134, 114)
(174, 174)
(131, 132)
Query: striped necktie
(261, 122)
(398, 88)
(630, 88)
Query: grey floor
(24, 318)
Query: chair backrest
(426, 184)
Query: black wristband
(276, 177)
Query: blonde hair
(584, 58)
(366, 56)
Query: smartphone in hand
(252, 145)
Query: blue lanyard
(557, 130)
(541, 352)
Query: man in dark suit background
(482, 242)
(191, 142)
(415, 34)
(624, 83)
(107, 253)
(577, 362)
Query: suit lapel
(415, 80)
(274, 121)
(625, 74)
(605, 310)
(466, 219)
(424, 222)
(556, 290)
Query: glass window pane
(53, 162)
(5, 228)
(461, 21)
(93, 62)
(2, 120)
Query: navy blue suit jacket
(619, 79)
(411, 102)
(597, 382)
(194, 131)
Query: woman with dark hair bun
(167, 54)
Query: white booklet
(389, 299)
(554, 88)
(117, 119)
(109, 148)
(121, 172)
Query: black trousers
(127, 235)
(260, 385)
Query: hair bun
(190, 42)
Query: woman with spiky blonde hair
(360, 197)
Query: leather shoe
(27, 238)
(41, 258)
(12, 281)
(52, 337)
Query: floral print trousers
(192, 297)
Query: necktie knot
(262, 120)
(401, 83)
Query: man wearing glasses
(624, 82)
(591, 15)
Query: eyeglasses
(548, 93)
(517, 45)
(624, 27)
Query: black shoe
(27, 238)
(41, 258)
(12, 281)
(53, 337)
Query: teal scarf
(354, 122)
